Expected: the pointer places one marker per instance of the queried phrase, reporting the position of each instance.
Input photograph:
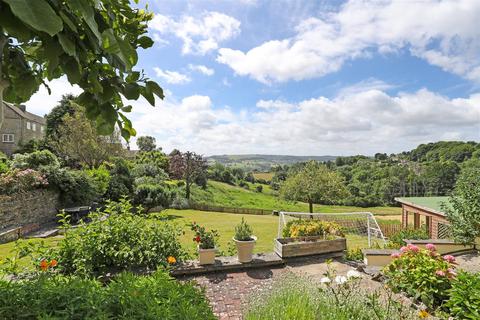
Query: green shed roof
(433, 203)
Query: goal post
(357, 226)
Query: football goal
(359, 227)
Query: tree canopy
(315, 183)
(146, 143)
(91, 42)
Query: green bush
(101, 178)
(121, 181)
(243, 231)
(464, 296)
(421, 273)
(153, 195)
(35, 160)
(396, 240)
(306, 228)
(123, 241)
(126, 297)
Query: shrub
(16, 181)
(121, 181)
(149, 170)
(180, 203)
(421, 273)
(101, 178)
(464, 296)
(126, 297)
(153, 195)
(35, 160)
(307, 228)
(123, 241)
(354, 254)
(396, 240)
(243, 231)
(205, 239)
(259, 188)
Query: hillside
(224, 195)
(263, 162)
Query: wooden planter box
(307, 246)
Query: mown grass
(267, 176)
(224, 195)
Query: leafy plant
(17, 181)
(421, 273)
(243, 231)
(305, 228)
(354, 254)
(101, 178)
(396, 240)
(153, 195)
(205, 239)
(122, 241)
(35, 160)
(127, 296)
(464, 296)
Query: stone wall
(36, 207)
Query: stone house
(19, 126)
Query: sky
(307, 77)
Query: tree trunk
(187, 189)
(310, 206)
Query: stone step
(43, 234)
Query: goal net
(360, 228)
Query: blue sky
(308, 77)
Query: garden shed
(427, 213)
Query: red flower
(198, 239)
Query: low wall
(29, 209)
(442, 246)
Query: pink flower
(451, 273)
(403, 249)
(395, 255)
(440, 273)
(430, 247)
(449, 258)
(413, 247)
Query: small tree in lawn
(146, 143)
(463, 210)
(315, 183)
(187, 166)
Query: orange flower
(44, 265)
(53, 263)
(171, 260)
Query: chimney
(22, 107)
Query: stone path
(469, 262)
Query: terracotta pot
(206, 256)
(245, 249)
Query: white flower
(353, 274)
(340, 279)
(325, 280)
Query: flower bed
(307, 237)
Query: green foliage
(315, 183)
(396, 239)
(157, 296)
(32, 145)
(259, 188)
(123, 241)
(154, 157)
(205, 239)
(464, 296)
(35, 160)
(146, 143)
(54, 118)
(156, 173)
(121, 180)
(101, 178)
(354, 254)
(307, 228)
(423, 274)
(243, 231)
(48, 39)
(463, 210)
(153, 195)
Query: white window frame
(29, 125)
(8, 138)
(34, 126)
(42, 129)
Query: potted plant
(245, 241)
(206, 243)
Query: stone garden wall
(26, 210)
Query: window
(42, 128)
(34, 126)
(29, 125)
(8, 138)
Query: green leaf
(145, 42)
(13, 26)
(109, 42)
(72, 69)
(131, 91)
(155, 88)
(67, 44)
(85, 9)
(68, 21)
(37, 14)
(127, 108)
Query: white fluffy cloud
(172, 77)
(356, 122)
(199, 34)
(202, 69)
(444, 33)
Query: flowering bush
(16, 181)
(304, 228)
(205, 239)
(422, 273)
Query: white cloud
(41, 102)
(358, 122)
(199, 34)
(444, 33)
(202, 69)
(172, 77)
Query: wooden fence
(388, 229)
(207, 207)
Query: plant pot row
(244, 252)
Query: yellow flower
(423, 314)
(171, 260)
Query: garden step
(222, 264)
(44, 234)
